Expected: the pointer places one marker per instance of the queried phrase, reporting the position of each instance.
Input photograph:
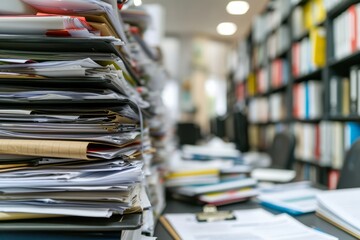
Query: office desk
(174, 206)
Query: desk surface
(174, 206)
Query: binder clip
(211, 214)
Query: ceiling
(200, 17)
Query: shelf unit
(322, 74)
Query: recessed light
(137, 3)
(237, 7)
(226, 28)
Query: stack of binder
(72, 137)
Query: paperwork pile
(215, 179)
(72, 134)
(158, 124)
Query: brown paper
(45, 148)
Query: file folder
(75, 224)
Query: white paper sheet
(255, 224)
(300, 200)
(344, 204)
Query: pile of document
(73, 141)
(340, 207)
(159, 126)
(214, 149)
(217, 181)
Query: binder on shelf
(318, 47)
(355, 93)
(335, 96)
(345, 97)
(307, 102)
(345, 32)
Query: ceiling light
(226, 28)
(237, 7)
(137, 3)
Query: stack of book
(72, 133)
(209, 176)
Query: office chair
(188, 133)
(282, 158)
(282, 151)
(349, 175)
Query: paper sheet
(344, 204)
(299, 200)
(256, 224)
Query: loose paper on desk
(293, 201)
(256, 224)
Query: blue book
(352, 133)
(295, 200)
(285, 71)
(307, 100)
(281, 209)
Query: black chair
(282, 151)
(349, 175)
(241, 138)
(188, 133)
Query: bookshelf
(320, 94)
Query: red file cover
(353, 28)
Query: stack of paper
(147, 60)
(340, 207)
(72, 134)
(210, 152)
(218, 182)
